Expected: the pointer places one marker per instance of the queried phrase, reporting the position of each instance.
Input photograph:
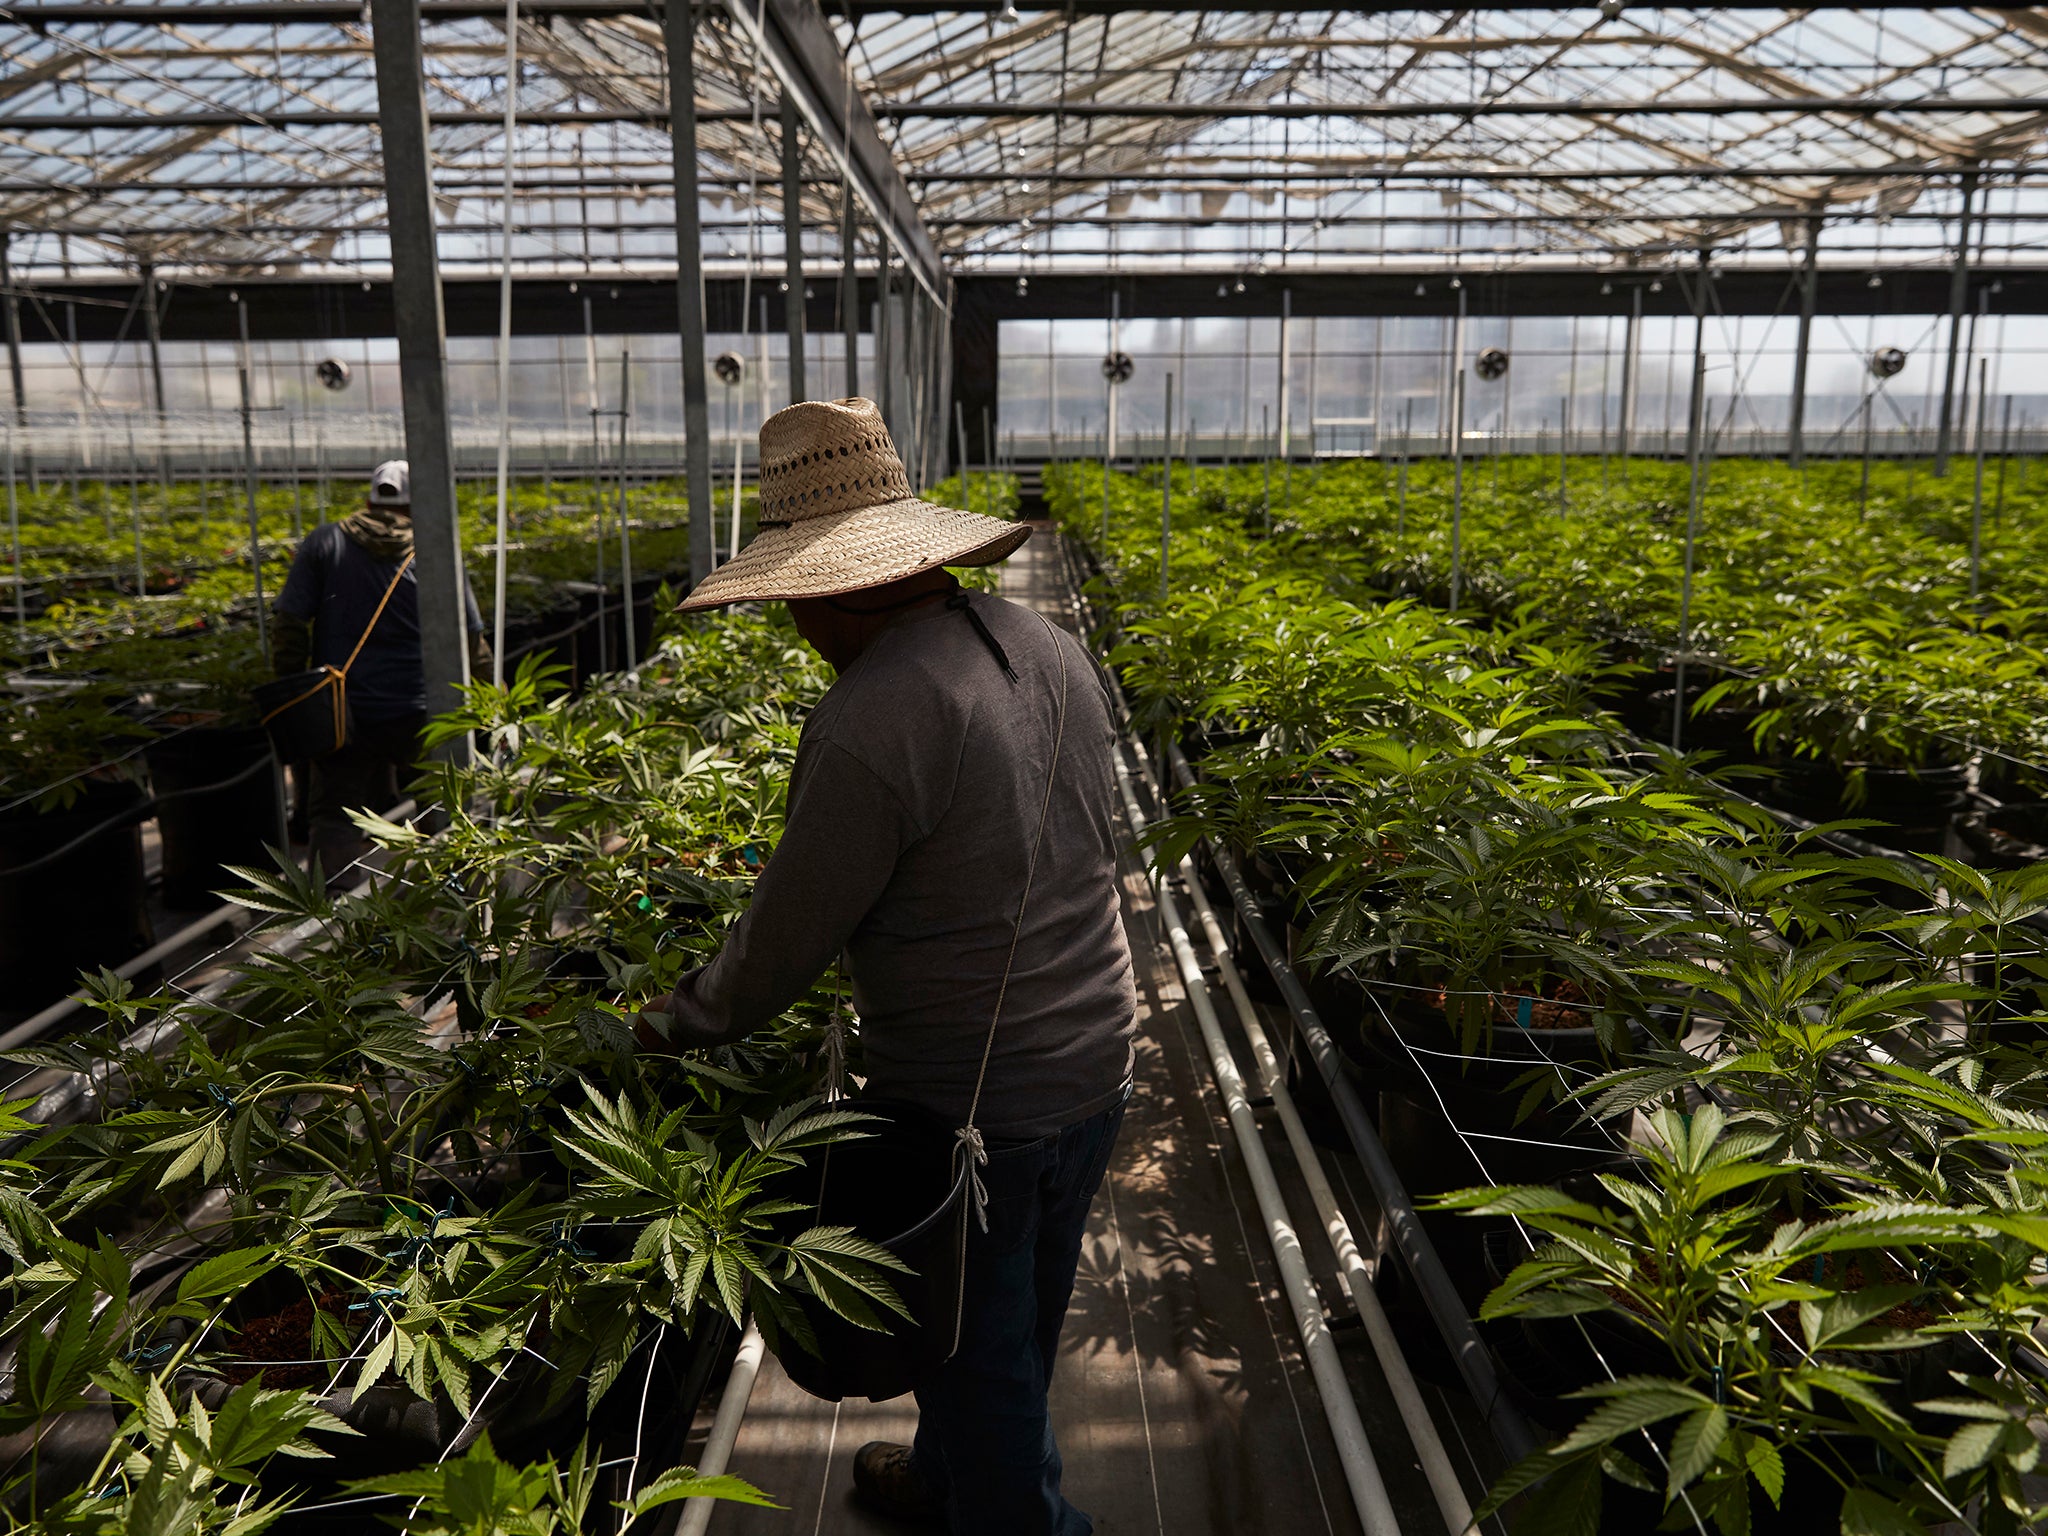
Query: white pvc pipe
(725, 1428)
(1361, 1472)
(1422, 1431)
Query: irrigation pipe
(78, 1086)
(1510, 1431)
(37, 1025)
(1422, 1431)
(725, 1428)
(1361, 1472)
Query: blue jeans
(984, 1435)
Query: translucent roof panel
(1139, 140)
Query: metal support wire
(1510, 1430)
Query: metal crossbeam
(191, 13)
(1707, 106)
(805, 55)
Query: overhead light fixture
(1610, 10)
(1457, 283)
(1008, 17)
(1606, 289)
(1239, 286)
(1222, 290)
(1656, 285)
(1023, 285)
(1875, 281)
(1419, 290)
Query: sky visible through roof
(1138, 141)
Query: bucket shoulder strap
(969, 1138)
(382, 603)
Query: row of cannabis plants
(402, 1201)
(1863, 648)
(1752, 1133)
(121, 708)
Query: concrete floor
(1181, 1400)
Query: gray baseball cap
(391, 484)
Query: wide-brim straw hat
(836, 514)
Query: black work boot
(887, 1478)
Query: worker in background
(339, 577)
(950, 829)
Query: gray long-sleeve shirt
(912, 808)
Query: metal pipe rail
(1415, 1417)
(1510, 1430)
(1354, 1451)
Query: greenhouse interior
(1023, 767)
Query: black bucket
(72, 892)
(218, 804)
(900, 1186)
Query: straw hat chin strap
(968, 1137)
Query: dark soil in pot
(72, 892)
(219, 803)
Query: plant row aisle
(1738, 1142)
(399, 1212)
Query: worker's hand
(654, 1028)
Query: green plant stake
(2004, 458)
(1266, 470)
(1457, 484)
(249, 490)
(625, 529)
(1977, 493)
(1401, 506)
(135, 513)
(1166, 495)
(14, 541)
(1692, 523)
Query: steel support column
(1631, 343)
(12, 310)
(793, 245)
(680, 33)
(422, 356)
(1809, 287)
(153, 333)
(1958, 295)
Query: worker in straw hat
(950, 831)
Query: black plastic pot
(898, 1186)
(1916, 805)
(1423, 1109)
(219, 802)
(72, 892)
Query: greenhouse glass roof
(181, 136)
